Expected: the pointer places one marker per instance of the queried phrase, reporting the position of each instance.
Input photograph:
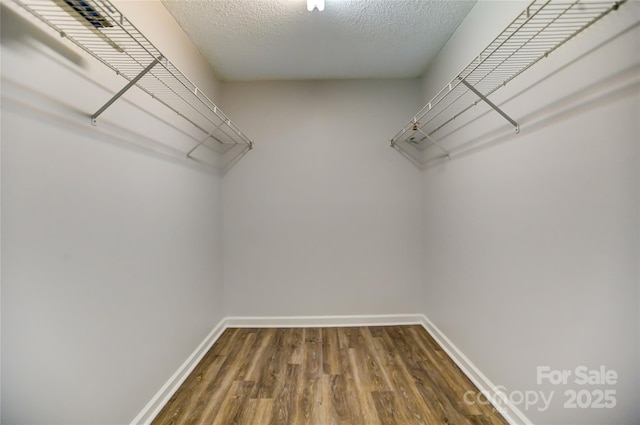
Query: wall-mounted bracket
(493, 105)
(200, 143)
(435, 143)
(543, 27)
(124, 89)
(102, 31)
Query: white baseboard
(153, 407)
(323, 321)
(511, 413)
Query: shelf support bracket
(124, 89)
(210, 134)
(435, 143)
(200, 143)
(493, 105)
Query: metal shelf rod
(543, 27)
(101, 30)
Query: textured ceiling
(281, 40)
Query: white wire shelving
(100, 29)
(541, 28)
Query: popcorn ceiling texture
(280, 40)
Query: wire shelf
(540, 29)
(100, 29)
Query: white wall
(323, 217)
(524, 248)
(532, 240)
(111, 252)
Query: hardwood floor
(395, 375)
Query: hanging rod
(541, 28)
(100, 29)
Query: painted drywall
(322, 217)
(532, 240)
(111, 241)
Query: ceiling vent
(89, 13)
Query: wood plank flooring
(385, 375)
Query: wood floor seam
(370, 375)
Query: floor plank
(326, 376)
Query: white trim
(511, 413)
(323, 321)
(157, 402)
